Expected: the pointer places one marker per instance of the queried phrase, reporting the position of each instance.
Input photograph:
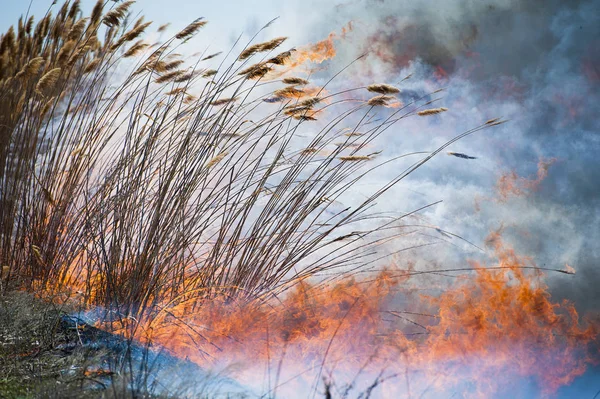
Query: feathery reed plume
(96, 13)
(134, 33)
(191, 29)
(218, 158)
(113, 17)
(209, 72)
(168, 77)
(31, 68)
(304, 117)
(176, 91)
(272, 44)
(310, 150)
(186, 76)
(135, 49)
(65, 52)
(280, 59)
(171, 65)
(460, 155)
(249, 52)
(92, 65)
(208, 57)
(47, 82)
(383, 89)
(189, 99)
(289, 92)
(310, 102)
(223, 101)
(354, 158)
(47, 107)
(381, 100)
(77, 29)
(432, 111)
(295, 81)
(255, 71)
(353, 134)
(291, 111)
(163, 27)
(261, 47)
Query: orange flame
(317, 53)
(488, 328)
(511, 185)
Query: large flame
(492, 325)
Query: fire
(494, 325)
(317, 52)
(512, 185)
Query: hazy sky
(535, 62)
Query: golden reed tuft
(218, 158)
(223, 101)
(31, 68)
(261, 47)
(295, 81)
(47, 82)
(191, 29)
(379, 101)
(256, 71)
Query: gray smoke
(536, 63)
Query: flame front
(485, 329)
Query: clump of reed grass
(112, 188)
